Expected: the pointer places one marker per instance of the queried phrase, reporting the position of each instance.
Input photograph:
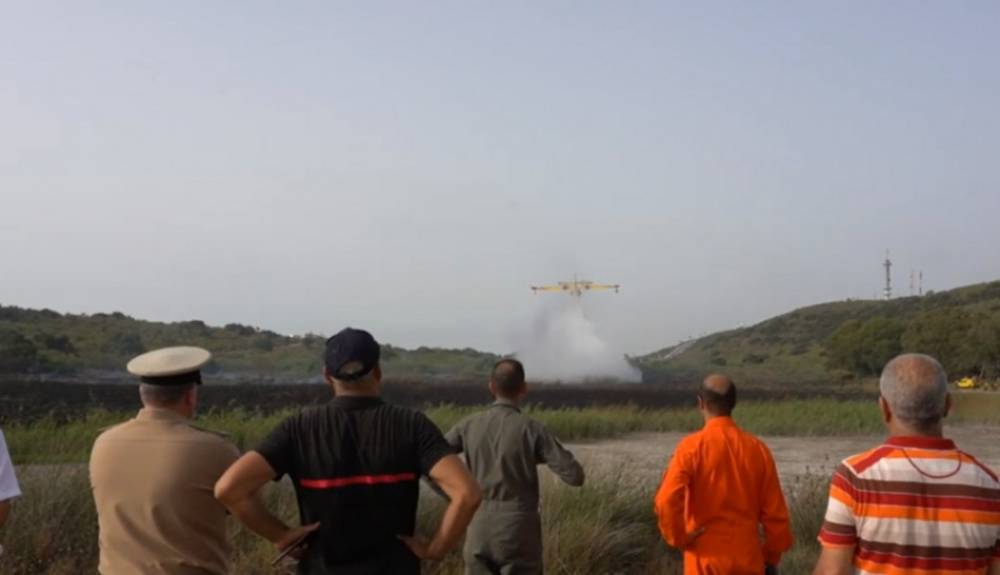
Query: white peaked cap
(169, 361)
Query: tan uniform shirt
(153, 479)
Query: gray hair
(163, 395)
(916, 388)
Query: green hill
(838, 341)
(845, 340)
(46, 342)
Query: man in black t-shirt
(356, 464)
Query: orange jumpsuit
(723, 479)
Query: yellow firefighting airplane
(576, 287)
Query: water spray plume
(566, 346)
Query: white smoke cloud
(566, 346)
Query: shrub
(17, 353)
(59, 343)
(123, 344)
(865, 346)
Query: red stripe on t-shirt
(357, 480)
(837, 538)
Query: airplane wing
(548, 288)
(615, 287)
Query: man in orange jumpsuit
(720, 488)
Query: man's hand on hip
(420, 547)
(296, 537)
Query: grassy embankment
(793, 348)
(604, 527)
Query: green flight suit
(503, 448)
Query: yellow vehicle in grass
(966, 383)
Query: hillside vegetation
(832, 342)
(841, 341)
(47, 342)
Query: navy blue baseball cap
(351, 346)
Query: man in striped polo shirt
(916, 503)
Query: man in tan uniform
(153, 476)
(503, 448)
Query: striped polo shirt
(915, 505)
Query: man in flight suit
(720, 489)
(152, 477)
(503, 448)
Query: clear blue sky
(413, 167)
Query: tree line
(967, 343)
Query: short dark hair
(719, 403)
(163, 395)
(358, 382)
(508, 377)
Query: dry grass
(605, 527)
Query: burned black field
(22, 401)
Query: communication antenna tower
(921, 284)
(888, 276)
(913, 283)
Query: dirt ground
(647, 453)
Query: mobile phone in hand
(297, 544)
